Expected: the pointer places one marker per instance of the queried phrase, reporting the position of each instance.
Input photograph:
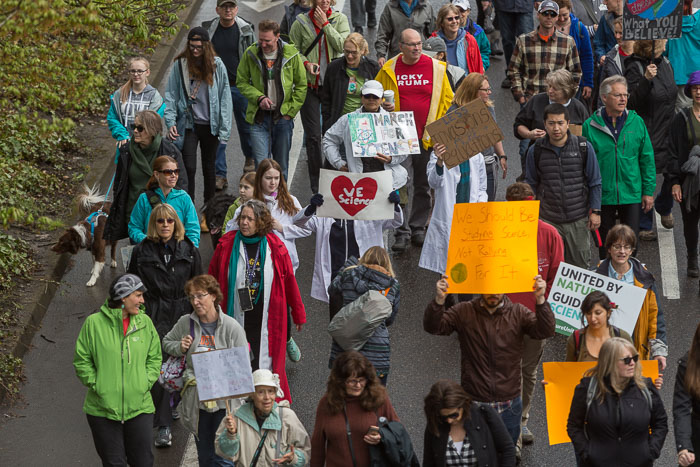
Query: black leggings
(120, 443)
(201, 135)
(690, 229)
(629, 215)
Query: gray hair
(564, 80)
(609, 82)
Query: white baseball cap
(373, 88)
(463, 4)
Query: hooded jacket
(481, 39)
(115, 119)
(686, 412)
(249, 80)
(469, 55)
(180, 202)
(165, 298)
(118, 370)
(579, 33)
(393, 20)
(684, 52)
(626, 165)
(680, 145)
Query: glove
(394, 197)
(315, 201)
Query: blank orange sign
(493, 247)
(562, 378)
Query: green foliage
(14, 261)
(10, 374)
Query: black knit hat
(198, 34)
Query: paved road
(49, 428)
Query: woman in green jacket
(331, 28)
(118, 357)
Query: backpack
(172, 369)
(153, 198)
(591, 392)
(582, 150)
(577, 337)
(355, 323)
(215, 211)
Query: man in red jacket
(550, 252)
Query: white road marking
(669, 266)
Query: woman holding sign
(263, 431)
(686, 404)
(650, 331)
(617, 416)
(258, 283)
(206, 328)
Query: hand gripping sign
(357, 196)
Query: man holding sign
(491, 330)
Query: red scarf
(321, 48)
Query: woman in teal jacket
(118, 357)
(133, 97)
(161, 189)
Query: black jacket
(335, 87)
(686, 412)
(618, 429)
(395, 449)
(654, 101)
(532, 114)
(165, 298)
(118, 220)
(487, 434)
(679, 145)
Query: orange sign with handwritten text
(493, 247)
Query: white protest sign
(388, 133)
(223, 374)
(572, 284)
(358, 196)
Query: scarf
(140, 170)
(406, 8)
(233, 267)
(462, 195)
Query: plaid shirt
(533, 59)
(464, 458)
(499, 407)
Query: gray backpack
(355, 323)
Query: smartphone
(315, 68)
(372, 430)
(244, 299)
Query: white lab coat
(367, 235)
(433, 256)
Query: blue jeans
(512, 418)
(240, 105)
(206, 430)
(275, 141)
(511, 25)
(663, 205)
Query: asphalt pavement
(48, 427)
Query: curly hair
(519, 191)
(283, 197)
(444, 394)
(353, 364)
(263, 218)
(207, 283)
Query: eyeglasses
(139, 128)
(356, 382)
(351, 52)
(196, 47)
(199, 297)
(450, 416)
(486, 89)
(628, 360)
(170, 172)
(163, 221)
(618, 247)
(137, 72)
(413, 44)
(453, 18)
(620, 96)
(549, 14)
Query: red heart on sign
(353, 198)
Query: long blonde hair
(468, 89)
(126, 88)
(610, 352)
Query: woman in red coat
(259, 288)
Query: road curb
(44, 285)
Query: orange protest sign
(493, 247)
(562, 378)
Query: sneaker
(400, 244)
(528, 437)
(667, 221)
(249, 165)
(175, 413)
(497, 48)
(506, 84)
(518, 455)
(221, 183)
(203, 225)
(647, 235)
(164, 438)
(418, 238)
(293, 351)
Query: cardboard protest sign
(562, 378)
(223, 374)
(391, 134)
(572, 284)
(652, 19)
(358, 196)
(465, 132)
(493, 247)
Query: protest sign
(562, 378)
(465, 132)
(493, 247)
(388, 133)
(572, 284)
(358, 196)
(652, 19)
(223, 374)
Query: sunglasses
(550, 14)
(139, 128)
(451, 416)
(628, 360)
(170, 172)
(163, 221)
(453, 18)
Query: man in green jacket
(271, 75)
(625, 157)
